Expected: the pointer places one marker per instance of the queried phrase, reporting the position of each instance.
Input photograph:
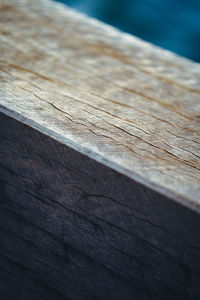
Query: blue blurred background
(172, 24)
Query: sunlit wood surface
(122, 101)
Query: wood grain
(99, 161)
(109, 95)
(72, 228)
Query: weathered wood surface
(71, 228)
(99, 149)
(122, 101)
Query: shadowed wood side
(71, 228)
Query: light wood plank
(109, 95)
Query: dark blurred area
(171, 24)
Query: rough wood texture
(99, 149)
(122, 101)
(71, 228)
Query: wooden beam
(99, 161)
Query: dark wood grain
(71, 228)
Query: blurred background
(171, 24)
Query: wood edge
(189, 203)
